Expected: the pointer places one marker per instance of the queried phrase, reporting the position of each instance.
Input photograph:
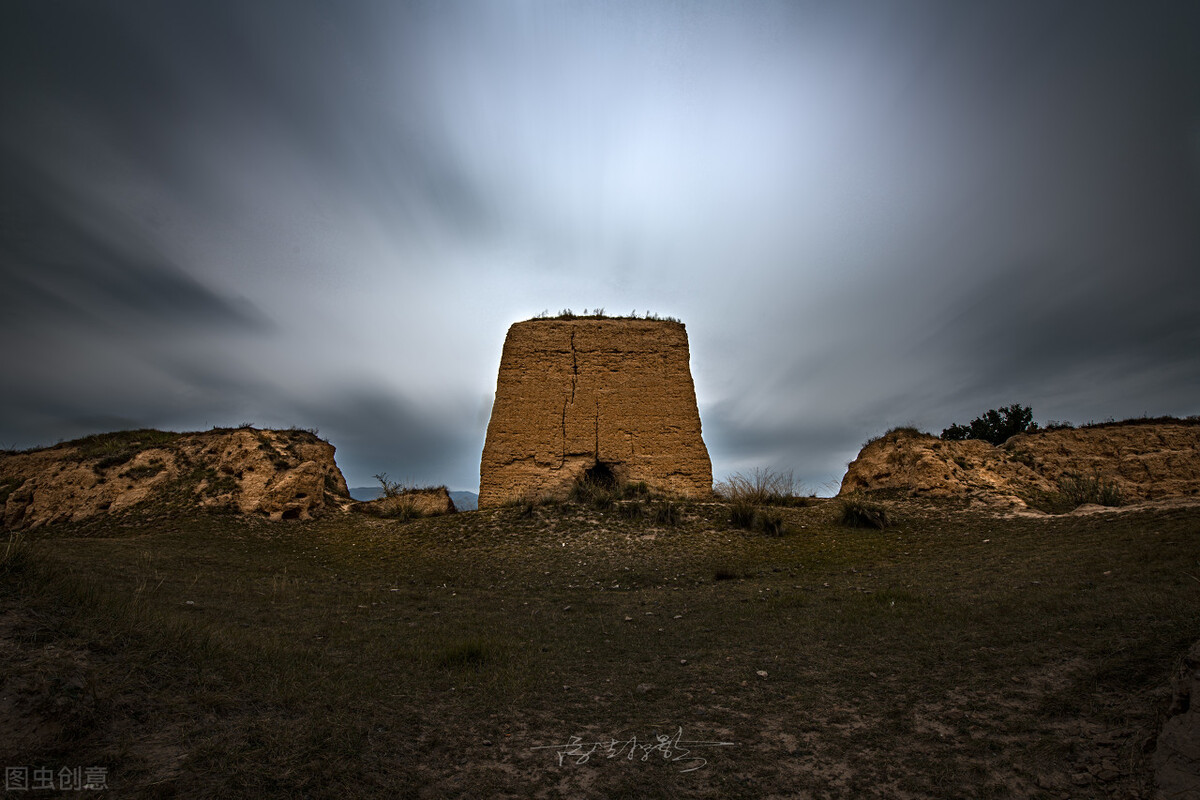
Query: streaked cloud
(868, 213)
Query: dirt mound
(279, 474)
(410, 503)
(1052, 470)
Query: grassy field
(953, 655)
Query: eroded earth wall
(277, 474)
(1142, 461)
(574, 393)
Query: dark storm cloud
(377, 431)
(68, 266)
(815, 451)
(868, 213)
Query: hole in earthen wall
(601, 474)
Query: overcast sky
(328, 214)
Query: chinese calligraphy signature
(673, 748)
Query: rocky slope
(278, 474)
(1139, 461)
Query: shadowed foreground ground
(955, 655)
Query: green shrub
(995, 426)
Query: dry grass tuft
(858, 513)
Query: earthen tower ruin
(614, 396)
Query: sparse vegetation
(1075, 490)
(113, 449)
(144, 471)
(666, 513)
(7, 487)
(14, 556)
(995, 425)
(1022, 456)
(632, 510)
(591, 490)
(898, 431)
(339, 657)
(857, 513)
(751, 494)
(216, 484)
(600, 488)
(401, 500)
(313, 431)
(761, 487)
(1096, 490)
(744, 514)
(598, 313)
(1193, 419)
(390, 487)
(637, 490)
(741, 514)
(998, 425)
